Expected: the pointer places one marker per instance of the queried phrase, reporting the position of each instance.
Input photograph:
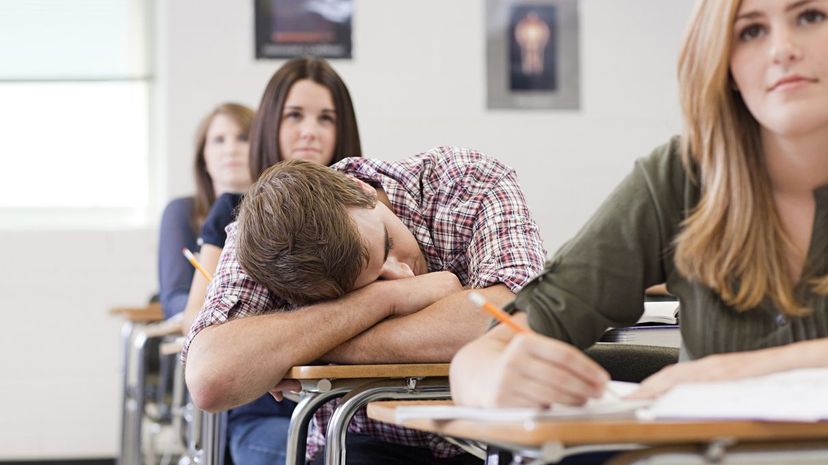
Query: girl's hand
(720, 367)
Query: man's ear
(365, 186)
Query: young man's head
(309, 233)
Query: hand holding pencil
(509, 321)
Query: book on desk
(793, 396)
(658, 326)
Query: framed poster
(532, 54)
(290, 28)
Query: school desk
(357, 385)
(140, 325)
(548, 441)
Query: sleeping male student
(374, 260)
(732, 215)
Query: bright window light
(74, 144)
(75, 93)
(73, 39)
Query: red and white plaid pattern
(469, 216)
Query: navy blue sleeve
(175, 273)
(221, 214)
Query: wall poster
(532, 54)
(290, 28)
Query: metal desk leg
(126, 448)
(309, 403)
(497, 456)
(214, 437)
(134, 377)
(193, 418)
(182, 414)
(392, 389)
(139, 393)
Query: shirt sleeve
(505, 245)
(175, 274)
(232, 294)
(597, 280)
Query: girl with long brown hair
(220, 165)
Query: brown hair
(205, 195)
(264, 137)
(733, 241)
(295, 234)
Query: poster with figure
(290, 28)
(532, 54)
(532, 48)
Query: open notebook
(611, 405)
(798, 395)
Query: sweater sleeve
(175, 274)
(597, 279)
(222, 213)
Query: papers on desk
(664, 312)
(647, 335)
(799, 395)
(608, 406)
(658, 326)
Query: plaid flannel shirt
(469, 216)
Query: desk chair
(630, 362)
(133, 396)
(635, 362)
(152, 422)
(356, 384)
(206, 433)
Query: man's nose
(395, 269)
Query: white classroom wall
(417, 80)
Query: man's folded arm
(433, 334)
(233, 363)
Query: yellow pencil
(196, 264)
(499, 314)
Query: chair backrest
(630, 362)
